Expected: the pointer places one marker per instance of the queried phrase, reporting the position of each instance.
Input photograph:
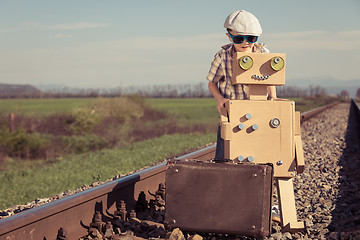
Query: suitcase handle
(221, 160)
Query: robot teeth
(257, 77)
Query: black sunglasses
(238, 39)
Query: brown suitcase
(227, 198)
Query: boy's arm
(271, 92)
(217, 95)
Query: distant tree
(317, 91)
(291, 91)
(358, 93)
(344, 94)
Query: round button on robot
(275, 122)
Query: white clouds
(316, 54)
(60, 36)
(26, 26)
(150, 60)
(93, 44)
(77, 26)
(291, 41)
(305, 34)
(139, 61)
(315, 40)
(354, 33)
(192, 43)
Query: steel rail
(356, 107)
(312, 113)
(75, 212)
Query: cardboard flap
(300, 162)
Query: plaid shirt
(221, 72)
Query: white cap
(244, 23)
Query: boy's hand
(277, 99)
(219, 98)
(221, 104)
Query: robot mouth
(257, 77)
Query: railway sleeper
(143, 222)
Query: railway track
(74, 214)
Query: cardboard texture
(261, 131)
(261, 67)
(266, 144)
(287, 206)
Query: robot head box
(259, 68)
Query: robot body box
(262, 132)
(210, 197)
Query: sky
(116, 43)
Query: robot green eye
(246, 62)
(277, 63)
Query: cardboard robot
(261, 131)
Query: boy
(243, 30)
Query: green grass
(19, 187)
(203, 110)
(197, 109)
(304, 105)
(42, 107)
(188, 110)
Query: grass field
(27, 180)
(186, 108)
(21, 186)
(42, 107)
